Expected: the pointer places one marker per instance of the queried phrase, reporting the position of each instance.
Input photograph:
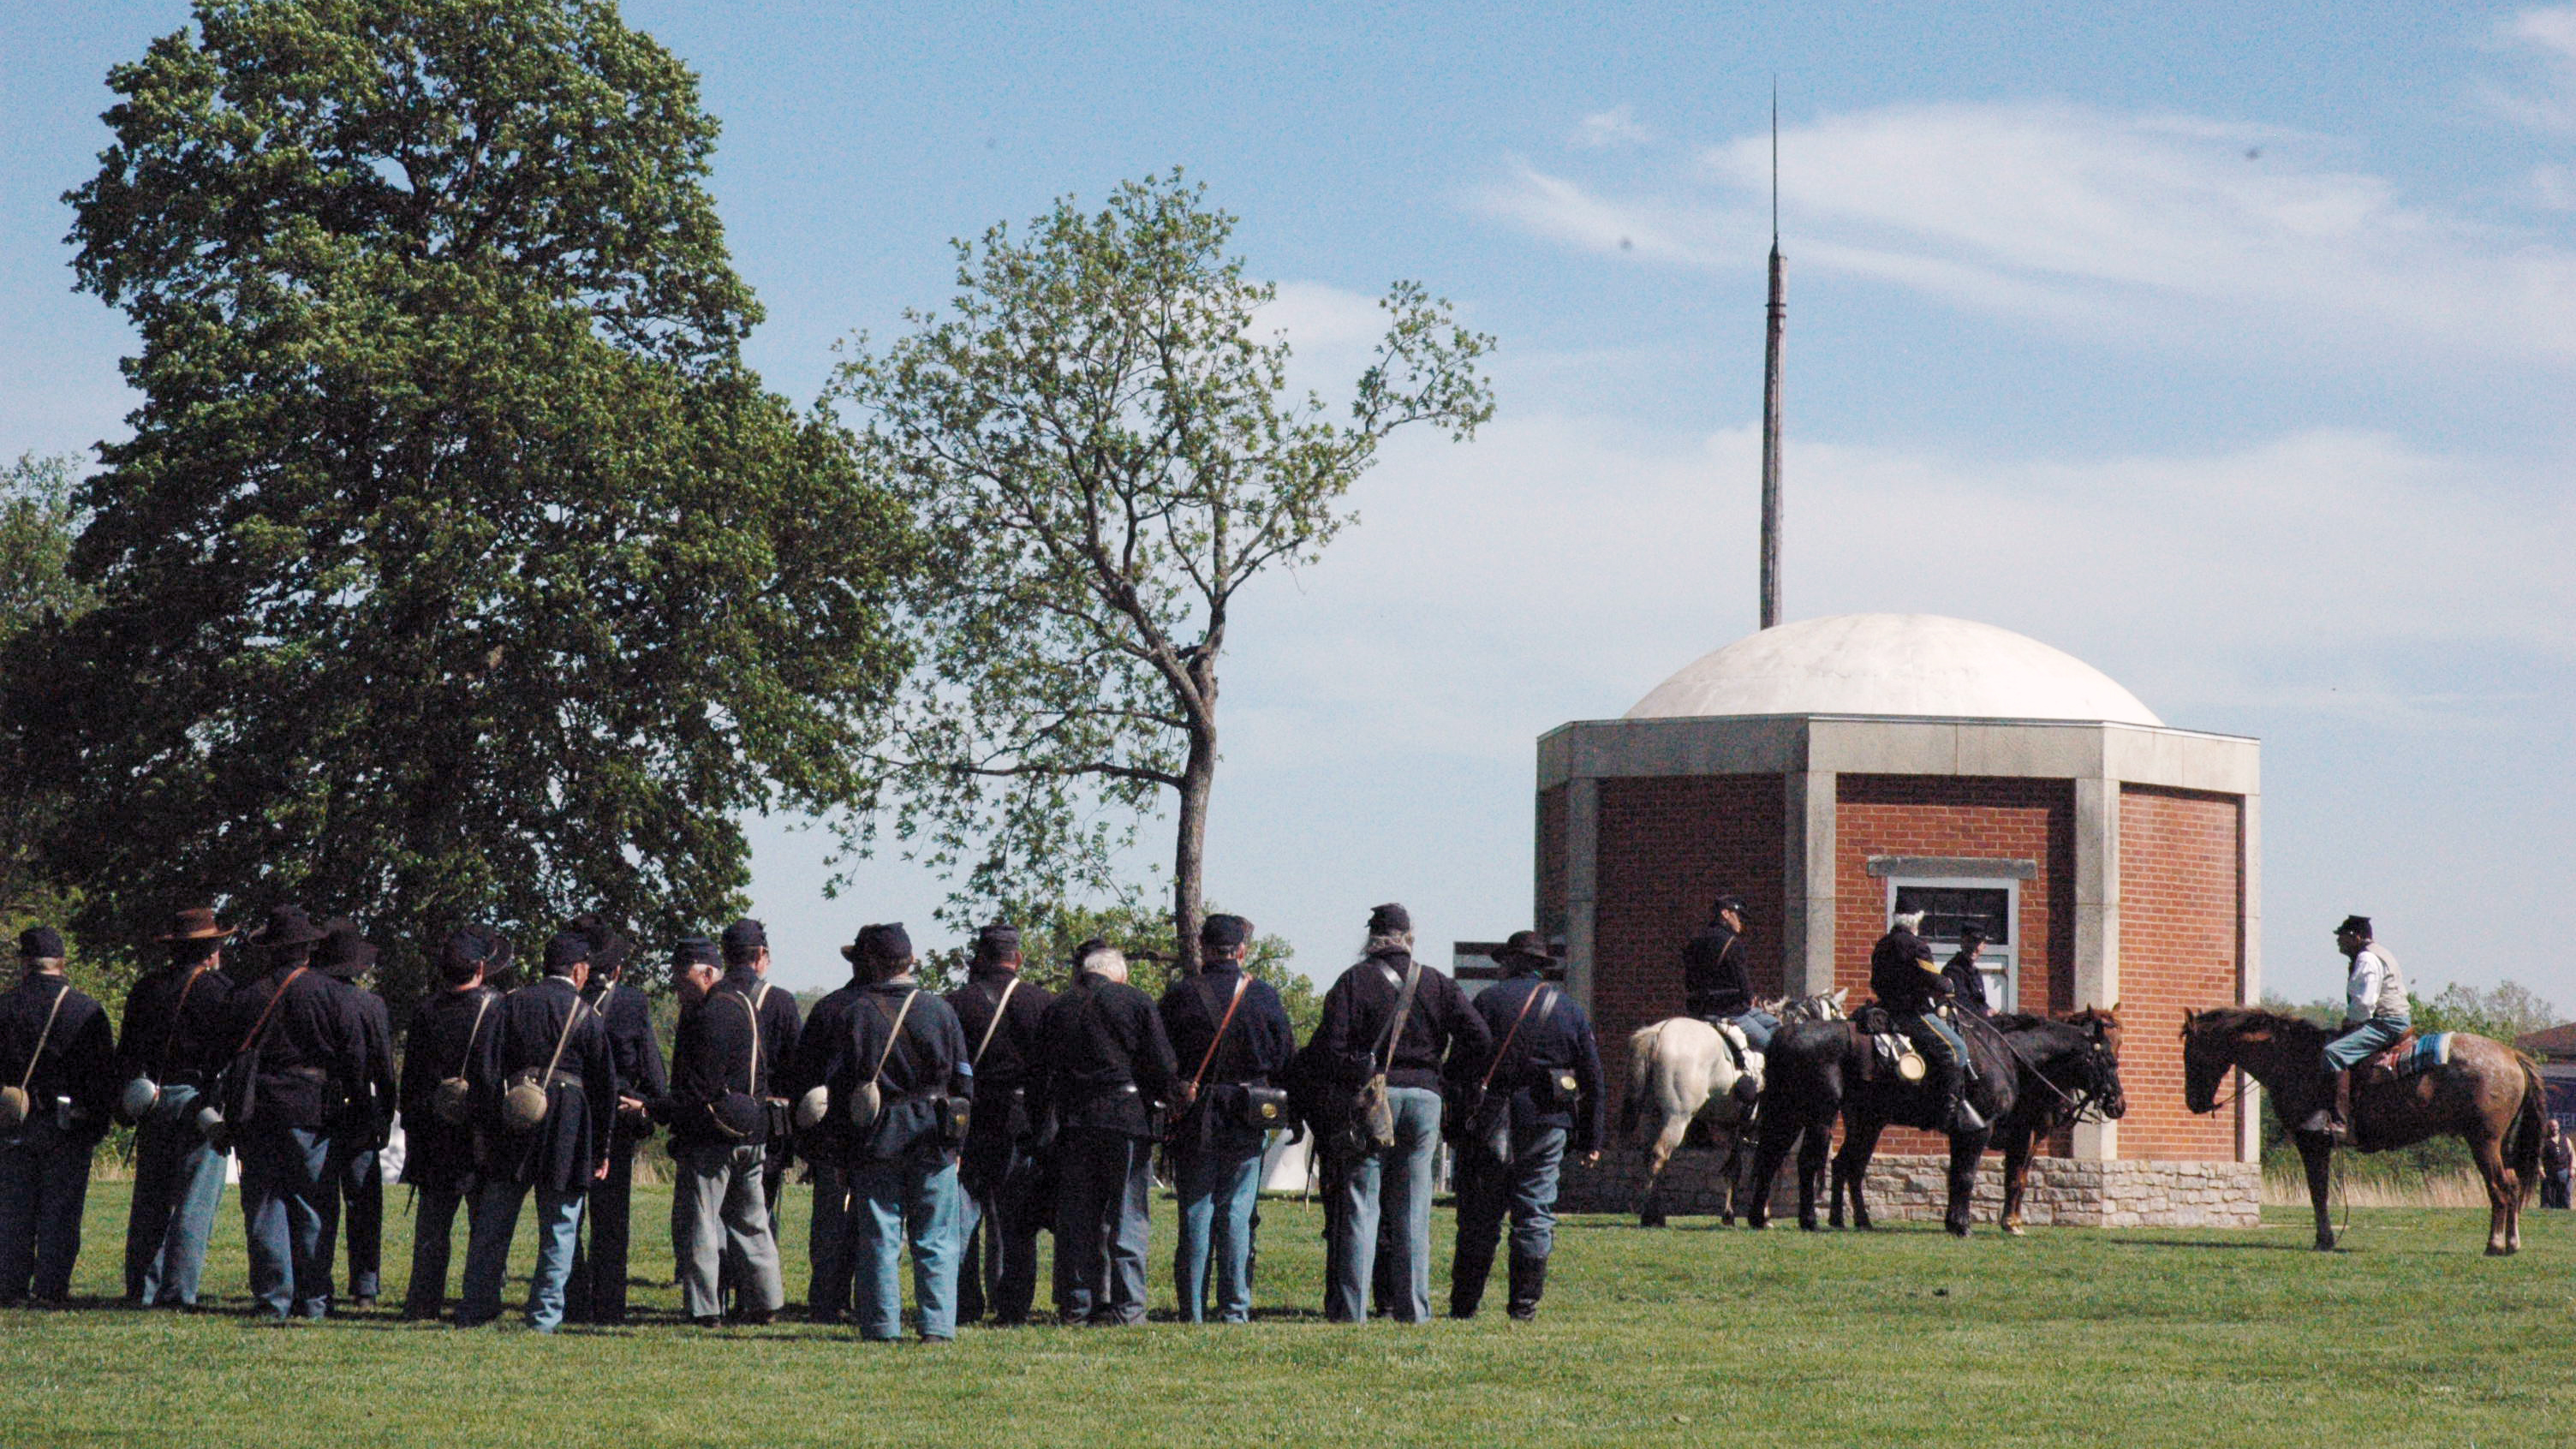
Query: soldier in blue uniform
(1717, 976)
(597, 1293)
(822, 1049)
(303, 1053)
(1358, 1039)
(1107, 1066)
(365, 1122)
(1967, 985)
(1519, 1124)
(903, 1164)
(1230, 1034)
(542, 1036)
(57, 1090)
(173, 1039)
(999, 1179)
(1904, 979)
(441, 1045)
(720, 1076)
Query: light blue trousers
(1399, 1181)
(487, 1253)
(291, 1214)
(2360, 1043)
(1218, 1191)
(908, 1201)
(178, 1189)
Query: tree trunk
(1189, 853)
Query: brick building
(1834, 770)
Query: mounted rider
(1906, 981)
(1717, 979)
(1967, 983)
(2375, 1015)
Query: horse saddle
(2409, 1056)
(1890, 1056)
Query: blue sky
(2228, 348)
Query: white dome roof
(1893, 664)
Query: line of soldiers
(950, 1129)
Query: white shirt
(2373, 988)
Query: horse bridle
(2087, 1100)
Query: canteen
(1909, 1065)
(13, 1108)
(812, 1107)
(138, 1099)
(451, 1101)
(866, 1105)
(524, 1104)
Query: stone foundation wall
(2062, 1191)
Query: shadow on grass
(2223, 1245)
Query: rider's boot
(2333, 1114)
(1529, 1280)
(1958, 1114)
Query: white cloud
(1564, 211)
(2546, 39)
(2179, 230)
(1617, 126)
(2555, 186)
(1562, 566)
(1319, 316)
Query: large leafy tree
(1100, 448)
(457, 567)
(38, 520)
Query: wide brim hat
(287, 926)
(1524, 946)
(345, 951)
(195, 923)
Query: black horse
(2031, 1072)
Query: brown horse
(2488, 1095)
(2059, 1088)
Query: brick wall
(2181, 887)
(1668, 846)
(1996, 819)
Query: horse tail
(2529, 1123)
(1641, 1059)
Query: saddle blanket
(2412, 1056)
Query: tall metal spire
(1779, 312)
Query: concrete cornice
(1901, 745)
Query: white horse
(1684, 1072)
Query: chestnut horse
(2488, 1095)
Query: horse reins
(2076, 1106)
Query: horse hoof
(1650, 1222)
(2012, 1230)
(2497, 1250)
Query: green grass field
(1689, 1336)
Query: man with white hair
(1908, 982)
(1104, 1062)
